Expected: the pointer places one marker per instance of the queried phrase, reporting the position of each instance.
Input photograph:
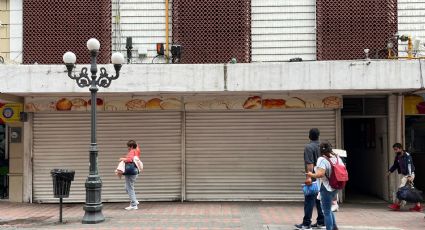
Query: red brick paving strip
(199, 215)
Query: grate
(212, 31)
(52, 27)
(346, 27)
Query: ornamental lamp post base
(93, 207)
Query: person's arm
(129, 157)
(409, 167)
(309, 163)
(320, 172)
(320, 169)
(393, 167)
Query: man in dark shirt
(311, 154)
(403, 163)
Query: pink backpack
(339, 175)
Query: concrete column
(16, 155)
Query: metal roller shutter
(250, 155)
(61, 140)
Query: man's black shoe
(318, 226)
(302, 227)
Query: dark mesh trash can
(62, 182)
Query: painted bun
(135, 104)
(154, 103)
(253, 102)
(332, 102)
(171, 103)
(295, 102)
(63, 104)
(274, 103)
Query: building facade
(227, 119)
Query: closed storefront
(207, 148)
(61, 140)
(250, 155)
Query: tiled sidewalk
(203, 215)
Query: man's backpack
(339, 175)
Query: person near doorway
(131, 173)
(403, 163)
(327, 193)
(311, 154)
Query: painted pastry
(154, 103)
(332, 102)
(78, 104)
(274, 103)
(63, 104)
(171, 103)
(135, 104)
(295, 102)
(253, 102)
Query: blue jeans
(129, 187)
(326, 197)
(309, 202)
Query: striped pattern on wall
(282, 30)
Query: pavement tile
(204, 215)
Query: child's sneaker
(335, 208)
(394, 207)
(131, 207)
(416, 208)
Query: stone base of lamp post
(93, 207)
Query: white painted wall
(283, 29)
(411, 21)
(16, 34)
(142, 20)
(341, 76)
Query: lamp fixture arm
(82, 79)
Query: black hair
(132, 144)
(314, 134)
(397, 145)
(325, 148)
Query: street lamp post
(93, 206)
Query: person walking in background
(131, 172)
(327, 193)
(406, 170)
(311, 154)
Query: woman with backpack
(327, 193)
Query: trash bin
(62, 182)
(61, 185)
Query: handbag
(130, 169)
(410, 194)
(312, 189)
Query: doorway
(365, 140)
(4, 163)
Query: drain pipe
(166, 29)
(399, 129)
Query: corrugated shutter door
(62, 141)
(250, 155)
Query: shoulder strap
(330, 162)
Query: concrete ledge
(392, 75)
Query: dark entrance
(4, 164)
(415, 145)
(365, 139)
